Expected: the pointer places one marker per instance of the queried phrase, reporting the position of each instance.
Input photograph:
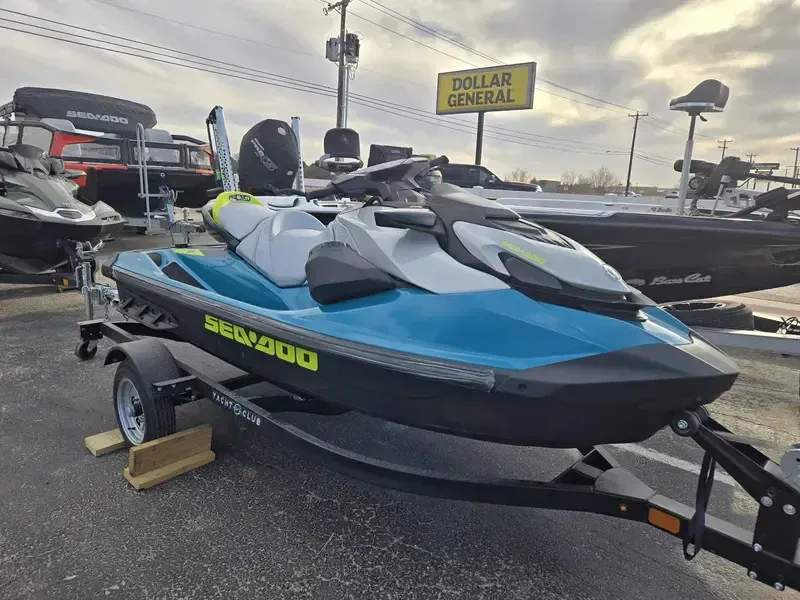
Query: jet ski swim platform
(595, 483)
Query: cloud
(635, 54)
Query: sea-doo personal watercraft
(40, 215)
(448, 313)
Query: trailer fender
(150, 357)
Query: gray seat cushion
(274, 242)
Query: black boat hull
(616, 397)
(672, 258)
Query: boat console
(712, 180)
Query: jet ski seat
(275, 242)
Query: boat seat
(274, 242)
(707, 96)
(164, 155)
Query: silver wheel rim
(129, 410)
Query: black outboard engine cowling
(268, 158)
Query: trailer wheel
(86, 350)
(712, 313)
(142, 414)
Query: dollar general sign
(509, 87)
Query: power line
(281, 80)
(670, 129)
(466, 62)
(321, 90)
(421, 26)
(249, 40)
(240, 38)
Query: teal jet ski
(434, 309)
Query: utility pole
(724, 146)
(340, 99)
(751, 156)
(796, 152)
(636, 118)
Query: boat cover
(86, 111)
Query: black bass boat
(446, 312)
(41, 218)
(100, 137)
(672, 258)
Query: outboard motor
(342, 151)
(268, 158)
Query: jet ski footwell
(596, 483)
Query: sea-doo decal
(522, 252)
(664, 280)
(79, 114)
(188, 251)
(263, 343)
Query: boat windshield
(29, 134)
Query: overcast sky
(633, 53)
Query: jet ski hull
(579, 398)
(33, 246)
(673, 258)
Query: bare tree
(602, 179)
(519, 175)
(569, 178)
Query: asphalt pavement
(263, 522)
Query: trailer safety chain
(697, 525)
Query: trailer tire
(151, 416)
(712, 313)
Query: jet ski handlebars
(393, 181)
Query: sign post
(506, 87)
(479, 140)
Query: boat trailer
(80, 266)
(595, 483)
